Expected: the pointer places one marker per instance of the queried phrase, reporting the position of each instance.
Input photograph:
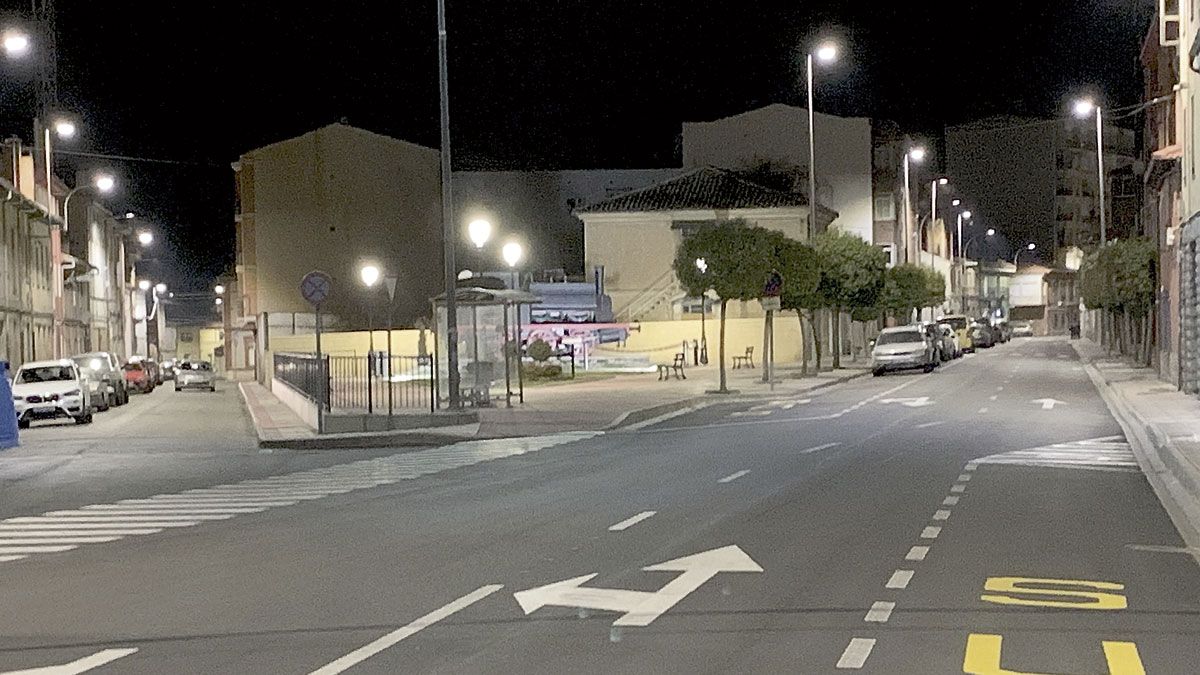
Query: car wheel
(178, 389)
(104, 404)
(84, 419)
(878, 372)
(928, 368)
(213, 388)
(22, 424)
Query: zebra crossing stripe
(1109, 453)
(66, 530)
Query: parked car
(155, 371)
(983, 335)
(1003, 330)
(195, 375)
(105, 367)
(45, 390)
(950, 348)
(168, 369)
(962, 329)
(1021, 329)
(902, 348)
(138, 376)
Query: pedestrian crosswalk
(66, 530)
(1110, 453)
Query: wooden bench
(665, 369)
(746, 359)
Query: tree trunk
(766, 354)
(803, 345)
(723, 389)
(836, 338)
(816, 330)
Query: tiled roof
(705, 188)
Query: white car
(902, 348)
(195, 375)
(49, 390)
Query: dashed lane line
(818, 448)
(899, 579)
(856, 653)
(917, 553)
(733, 476)
(631, 521)
(950, 501)
(941, 514)
(931, 532)
(880, 612)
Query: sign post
(316, 287)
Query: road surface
(989, 515)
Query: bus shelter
(489, 345)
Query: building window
(885, 206)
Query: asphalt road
(985, 516)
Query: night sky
(549, 84)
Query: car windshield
(131, 367)
(956, 322)
(89, 363)
(899, 337)
(45, 374)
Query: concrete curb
(1174, 480)
(417, 438)
(635, 418)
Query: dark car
(983, 335)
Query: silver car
(195, 375)
(903, 348)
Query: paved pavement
(989, 515)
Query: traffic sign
(316, 287)
(774, 285)
(771, 303)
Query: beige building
(331, 200)
(633, 236)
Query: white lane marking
(941, 514)
(119, 510)
(1048, 403)
(931, 532)
(971, 466)
(79, 665)
(43, 532)
(950, 501)
(880, 612)
(631, 521)
(733, 476)
(37, 541)
(983, 410)
(10, 558)
(926, 425)
(856, 654)
(28, 550)
(899, 579)
(191, 503)
(993, 397)
(819, 448)
(371, 649)
(663, 417)
(1000, 388)
(958, 488)
(54, 524)
(964, 477)
(917, 553)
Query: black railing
(306, 374)
(378, 383)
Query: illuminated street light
(479, 230)
(145, 238)
(966, 215)
(512, 253)
(369, 275)
(1028, 247)
(827, 53)
(917, 154)
(160, 288)
(702, 265)
(16, 44)
(65, 128)
(955, 202)
(991, 232)
(105, 182)
(1084, 108)
(943, 181)
(144, 284)
(219, 302)
(219, 289)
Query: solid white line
(79, 666)
(733, 476)
(856, 654)
(880, 612)
(931, 532)
(4, 541)
(900, 579)
(958, 488)
(917, 553)
(964, 477)
(371, 649)
(950, 501)
(941, 514)
(818, 448)
(662, 418)
(26, 550)
(10, 558)
(631, 521)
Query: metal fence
(380, 383)
(306, 374)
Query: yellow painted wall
(662, 339)
(357, 343)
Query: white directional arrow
(78, 665)
(916, 402)
(640, 608)
(1049, 403)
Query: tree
(851, 272)
(935, 288)
(906, 288)
(800, 270)
(737, 261)
(1120, 279)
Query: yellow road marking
(1086, 595)
(983, 657)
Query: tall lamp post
(369, 274)
(826, 53)
(914, 155)
(513, 253)
(1029, 247)
(449, 238)
(1084, 108)
(702, 265)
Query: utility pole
(47, 101)
(449, 238)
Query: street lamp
(144, 285)
(145, 238)
(512, 253)
(16, 44)
(160, 289)
(219, 302)
(702, 265)
(826, 53)
(102, 182)
(479, 231)
(219, 289)
(369, 275)
(914, 155)
(962, 215)
(65, 129)
(991, 232)
(955, 202)
(1028, 247)
(1084, 108)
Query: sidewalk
(1163, 426)
(592, 405)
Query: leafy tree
(1119, 279)
(851, 273)
(737, 261)
(801, 274)
(935, 288)
(906, 288)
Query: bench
(746, 359)
(665, 369)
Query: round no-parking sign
(316, 287)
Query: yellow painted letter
(983, 657)
(1084, 595)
